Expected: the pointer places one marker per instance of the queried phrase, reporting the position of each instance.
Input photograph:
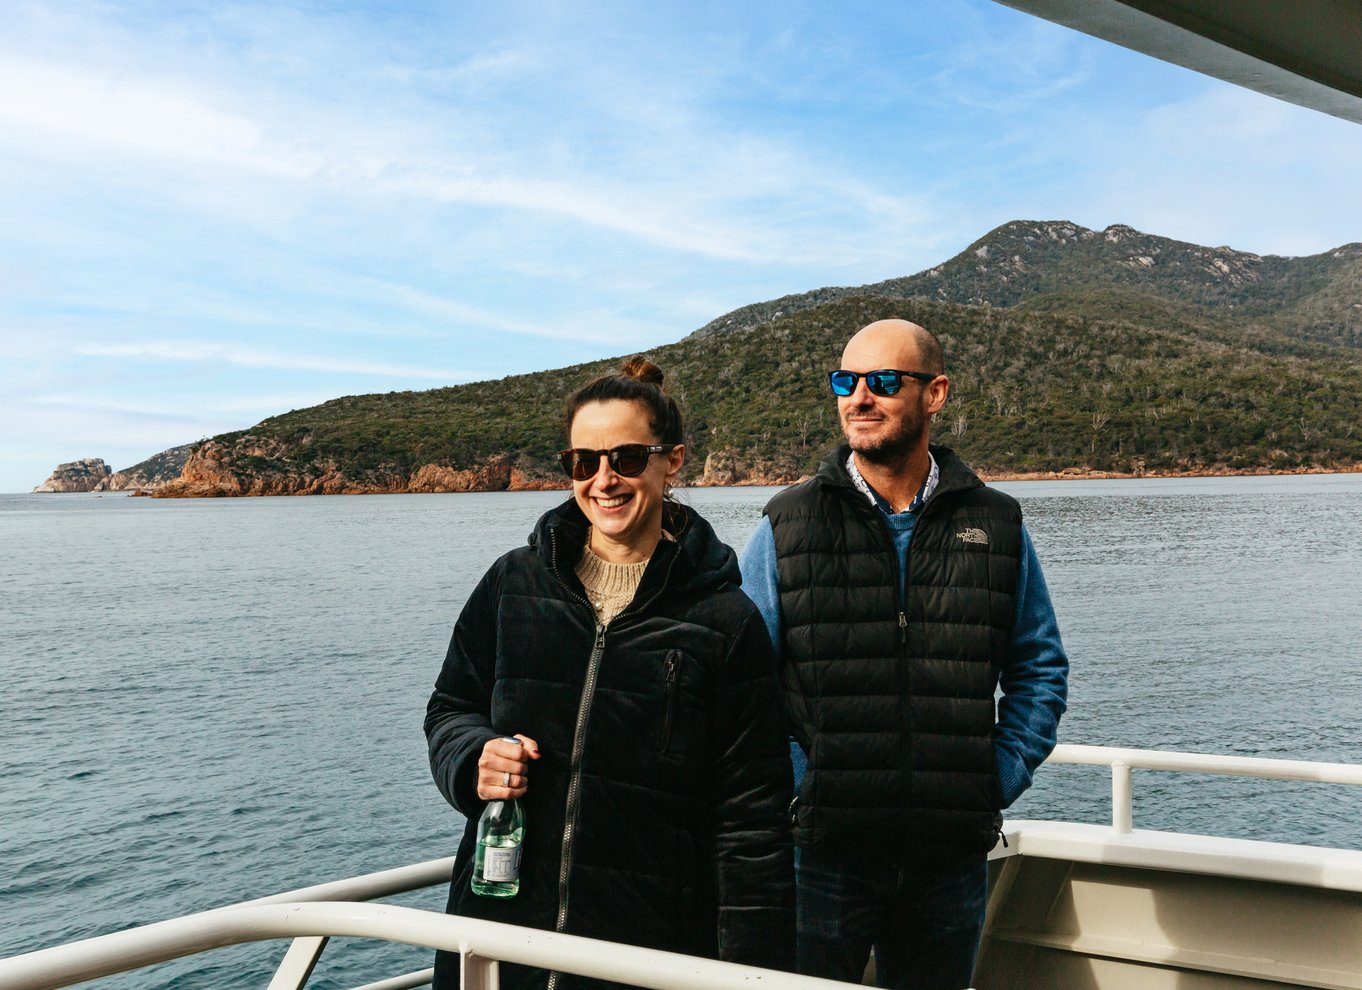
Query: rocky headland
(150, 475)
(85, 475)
(94, 475)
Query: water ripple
(244, 716)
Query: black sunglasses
(886, 381)
(628, 460)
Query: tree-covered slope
(1147, 385)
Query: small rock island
(85, 475)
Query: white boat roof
(1307, 52)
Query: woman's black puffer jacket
(656, 814)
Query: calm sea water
(206, 701)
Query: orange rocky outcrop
(215, 470)
(495, 476)
(724, 468)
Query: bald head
(894, 344)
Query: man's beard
(891, 449)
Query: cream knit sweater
(609, 587)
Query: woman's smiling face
(625, 513)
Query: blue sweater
(1033, 676)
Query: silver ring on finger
(506, 779)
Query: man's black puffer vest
(893, 701)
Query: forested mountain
(1068, 350)
(1062, 266)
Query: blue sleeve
(1034, 681)
(758, 565)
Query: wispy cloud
(147, 116)
(246, 357)
(549, 325)
(155, 409)
(1008, 63)
(691, 189)
(77, 113)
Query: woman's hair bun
(637, 380)
(640, 368)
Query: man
(900, 592)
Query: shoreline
(1065, 474)
(1078, 474)
(1088, 474)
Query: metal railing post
(298, 963)
(478, 972)
(1122, 816)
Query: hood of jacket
(697, 561)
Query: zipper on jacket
(593, 667)
(904, 671)
(904, 674)
(672, 668)
(579, 734)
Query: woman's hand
(502, 768)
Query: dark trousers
(923, 918)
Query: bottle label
(501, 864)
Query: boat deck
(1084, 907)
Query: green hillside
(1143, 388)
(1068, 349)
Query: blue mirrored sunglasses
(886, 381)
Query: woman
(652, 762)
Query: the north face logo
(972, 536)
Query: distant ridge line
(1004, 240)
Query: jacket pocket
(671, 673)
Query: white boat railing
(481, 945)
(310, 916)
(1123, 761)
(303, 953)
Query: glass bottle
(501, 836)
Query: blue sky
(214, 212)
